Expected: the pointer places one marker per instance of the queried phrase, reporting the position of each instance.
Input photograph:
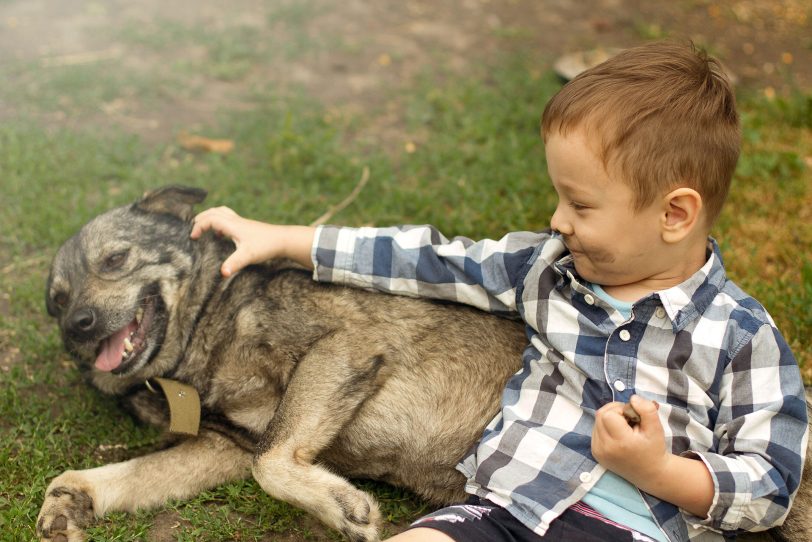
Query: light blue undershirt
(613, 496)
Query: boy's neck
(678, 271)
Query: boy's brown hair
(665, 117)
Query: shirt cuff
(332, 255)
(732, 492)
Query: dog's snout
(83, 321)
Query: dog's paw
(361, 516)
(64, 515)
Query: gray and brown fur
(302, 384)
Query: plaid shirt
(729, 389)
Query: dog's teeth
(128, 346)
(138, 315)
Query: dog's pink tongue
(113, 349)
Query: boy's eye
(577, 206)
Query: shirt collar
(685, 301)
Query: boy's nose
(559, 223)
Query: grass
(476, 169)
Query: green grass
(477, 170)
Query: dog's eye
(115, 261)
(61, 299)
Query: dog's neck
(205, 281)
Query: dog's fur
(299, 381)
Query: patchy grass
(766, 227)
(474, 167)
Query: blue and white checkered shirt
(729, 389)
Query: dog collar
(184, 405)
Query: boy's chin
(586, 271)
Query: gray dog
(291, 374)
(270, 374)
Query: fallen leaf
(194, 143)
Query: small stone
(631, 415)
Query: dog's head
(113, 285)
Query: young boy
(627, 301)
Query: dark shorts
(479, 520)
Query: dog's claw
(65, 512)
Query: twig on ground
(74, 59)
(346, 201)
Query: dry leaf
(195, 143)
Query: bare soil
(354, 55)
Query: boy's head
(659, 116)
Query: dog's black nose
(82, 321)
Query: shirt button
(585, 477)
(589, 299)
(660, 312)
(625, 335)
(619, 385)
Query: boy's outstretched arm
(256, 241)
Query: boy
(626, 301)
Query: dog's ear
(172, 200)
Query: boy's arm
(761, 427)
(762, 432)
(420, 261)
(410, 260)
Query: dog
(270, 374)
(297, 380)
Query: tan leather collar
(184, 405)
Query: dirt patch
(166, 526)
(356, 56)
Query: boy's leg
(484, 521)
(421, 535)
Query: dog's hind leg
(330, 383)
(75, 498)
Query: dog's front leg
(330, 383)
(75, 498)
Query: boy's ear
(682, 214)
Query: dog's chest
(247, 400)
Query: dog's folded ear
(173, 200)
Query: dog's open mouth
(125, 345)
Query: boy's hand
(630, 451)
(256, 242)
(639, 454)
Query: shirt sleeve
(420, 261)
(762, 434)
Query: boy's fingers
(235, 262)
(649, 419)
(616, 425)
(610, 421)
(641, 404)
(217, 218)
